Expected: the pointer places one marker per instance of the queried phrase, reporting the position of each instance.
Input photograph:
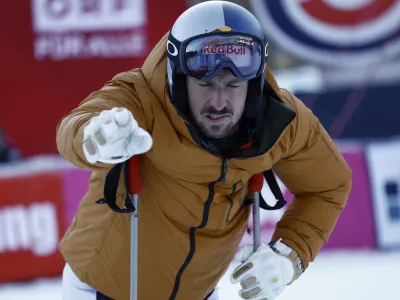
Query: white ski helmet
(210, 37)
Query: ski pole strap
(131, 181)
(255, 185)
(276, 191)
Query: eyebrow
(234, 81)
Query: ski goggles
(206, 56)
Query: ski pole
(255, 186)
(134, 191)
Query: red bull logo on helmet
(223, 29)
(224, 49)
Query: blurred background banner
(336, 32)
(88, 29)
(384, 163)
(53, 53)
(79, 179)
(354, 49)
(31, 225)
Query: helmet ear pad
(253, 98)
(180, 95)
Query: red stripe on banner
(320, 10)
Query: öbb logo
(76, 29)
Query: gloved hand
(114, 136)
(263, 274)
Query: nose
(219, 99)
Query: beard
(216, 131)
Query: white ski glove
(265, 273)
(114, 136)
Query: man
(206, 114)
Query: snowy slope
(333, 276)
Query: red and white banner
(31, 225)
(54, 53)
(89, 29)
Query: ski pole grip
(134, 183)
(256, 183)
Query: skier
(206, 114)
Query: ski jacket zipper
(203, 224)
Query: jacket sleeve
(119, 92)
(315, 172)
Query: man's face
(217, 106)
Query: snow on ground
(339, 275)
